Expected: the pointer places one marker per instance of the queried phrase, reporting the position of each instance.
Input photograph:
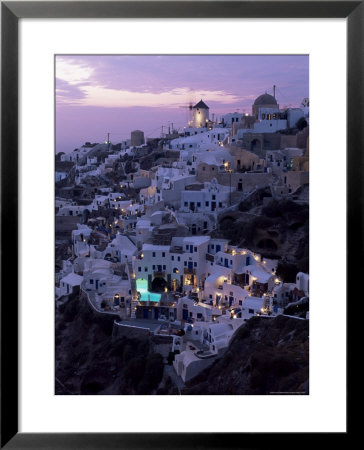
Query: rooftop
(265, 99)
(201, 105)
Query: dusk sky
(117, 94)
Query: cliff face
(266, 356)
(89, 361)
(278, 230)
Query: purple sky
(117, 94)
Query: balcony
(176, 249)
(159, 274)
(210, 257)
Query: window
(91, 282)
(145, 269)
(153, 267)
(172, 258)
(195, 264)
(207, 203)
(178, 258)
(240, 302)
(139, 269)
(251, 311)
(163, 254)
(198, 203)
(195, 249)
(153, 254)
(214, 197)
(186, 204)
(220, 205)
(203, 168)
(185, 263)
(212, 246)
(231, 262)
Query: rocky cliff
(266, 356)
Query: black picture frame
(11, 12)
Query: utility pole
(230, 187)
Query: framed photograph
(190, 169)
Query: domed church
(264, 101)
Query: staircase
(134, 294)
(267, 303)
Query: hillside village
(153, 233)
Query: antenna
(274, 91)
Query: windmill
(189, 106)
(305, 103)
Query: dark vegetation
(266, 356)
(90, 361)
(299, 310)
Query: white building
(202, 344)
(70, 283)
(81, 239)
(212, 197)
(121, 248)
(200, 115)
